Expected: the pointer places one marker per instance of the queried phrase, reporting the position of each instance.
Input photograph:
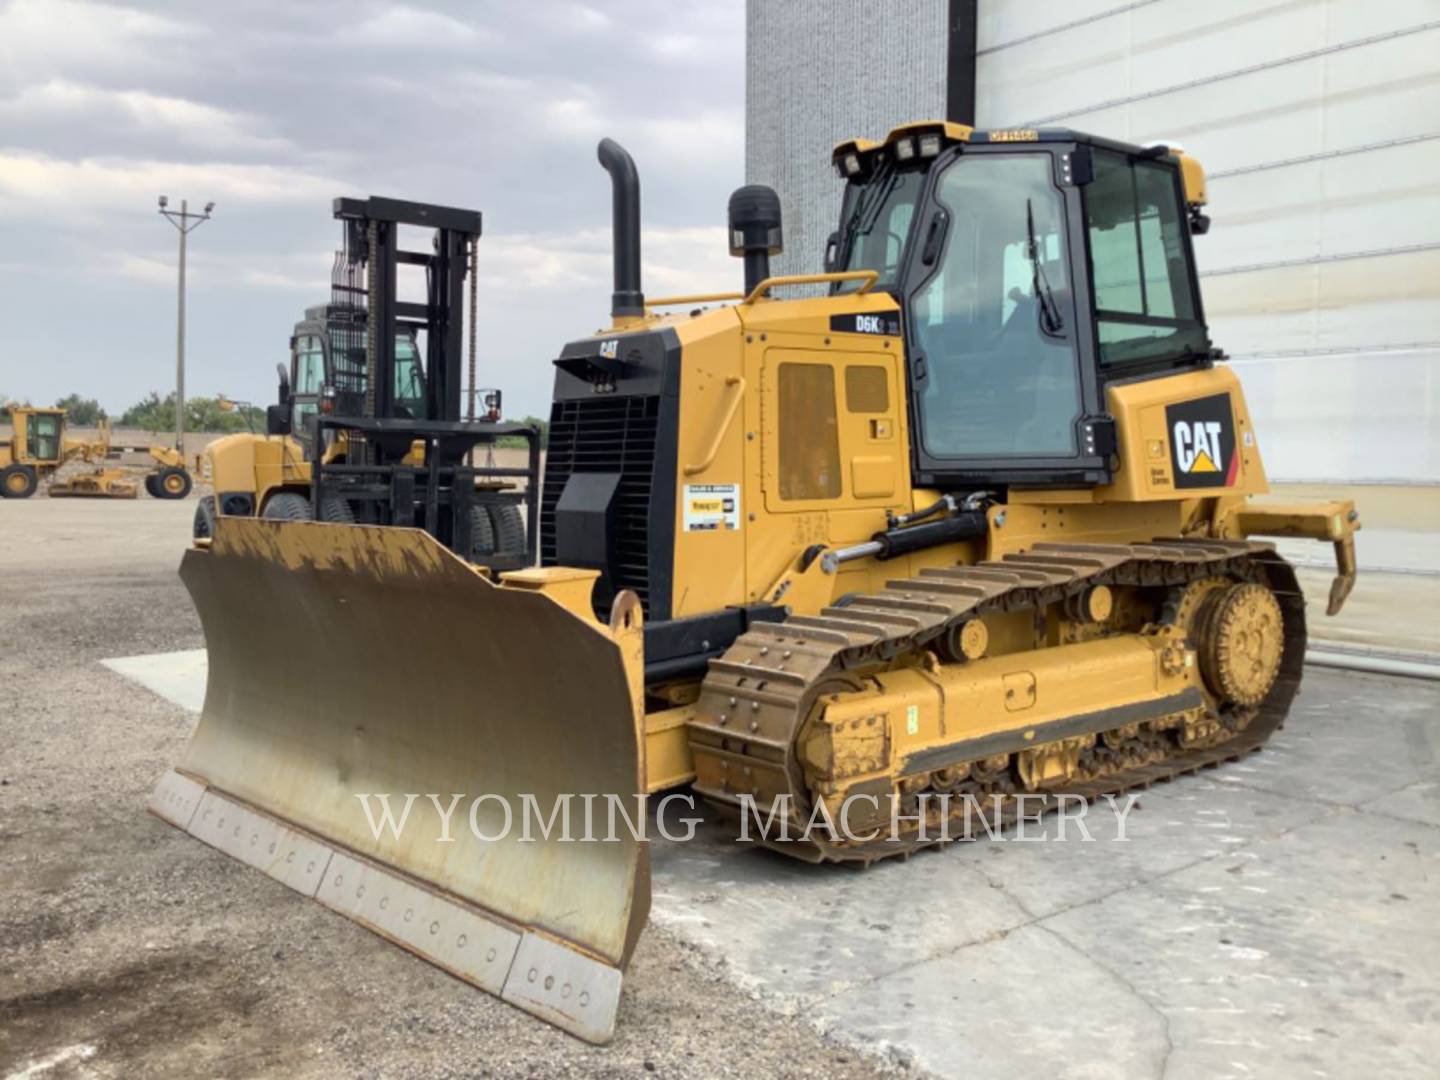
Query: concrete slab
(178, 677)
(795, 933)
(1275, 917)
(1025, 1004)
(1418, 802)
(1314, 953)
(1171, 828)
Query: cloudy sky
(272, 107)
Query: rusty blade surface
(353, 660)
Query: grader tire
(172, 482)
(18, 482)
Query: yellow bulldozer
(39, 446)
(971, 520)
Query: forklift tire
(287, 506)
(18, 482)
(204, 527)
(337, 511)
(482, 534)
(172, 483)
(509, 528)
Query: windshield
(409, 375)
(874, 222)
(992, 322)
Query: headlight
(930, 145)
(852, 164)
(905, 149)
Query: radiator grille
(606, 435)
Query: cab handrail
(870, 277)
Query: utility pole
(186, 223)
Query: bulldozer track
(758, 695)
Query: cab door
(44, 437)
(307, 378)
(831, 438)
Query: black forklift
(376, 393)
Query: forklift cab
(323, 378)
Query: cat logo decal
(1202, 442)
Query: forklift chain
(758, 695)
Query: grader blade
(351, 664)
(100, 484)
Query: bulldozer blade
(351, 663)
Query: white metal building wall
(1319, 124)
(819, 71)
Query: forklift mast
(366, 312)
(380, 477)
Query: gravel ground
(128, 949)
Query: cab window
(875, 222)
(409, 376)
(44, 436)
(302, 412)
(993, 323)
(1145, 307)
(309, 364)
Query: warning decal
(712, 507)
(1202, 442)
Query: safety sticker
(712, 507)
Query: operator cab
(44, 435)
(327, 365)
(1031, 268)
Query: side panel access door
(832, 444)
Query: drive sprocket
(1240, 636)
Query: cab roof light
(852, 164)
(905, 149)
(930, 144)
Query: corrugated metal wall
(819, 71)
(1319, 124)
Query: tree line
(155, 414)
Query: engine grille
(606, 435)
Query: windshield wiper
(867, 207)
(1050, 319)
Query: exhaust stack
(627, 299)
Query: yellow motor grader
(39, 446)
(976, 523)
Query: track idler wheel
(1240, 637)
